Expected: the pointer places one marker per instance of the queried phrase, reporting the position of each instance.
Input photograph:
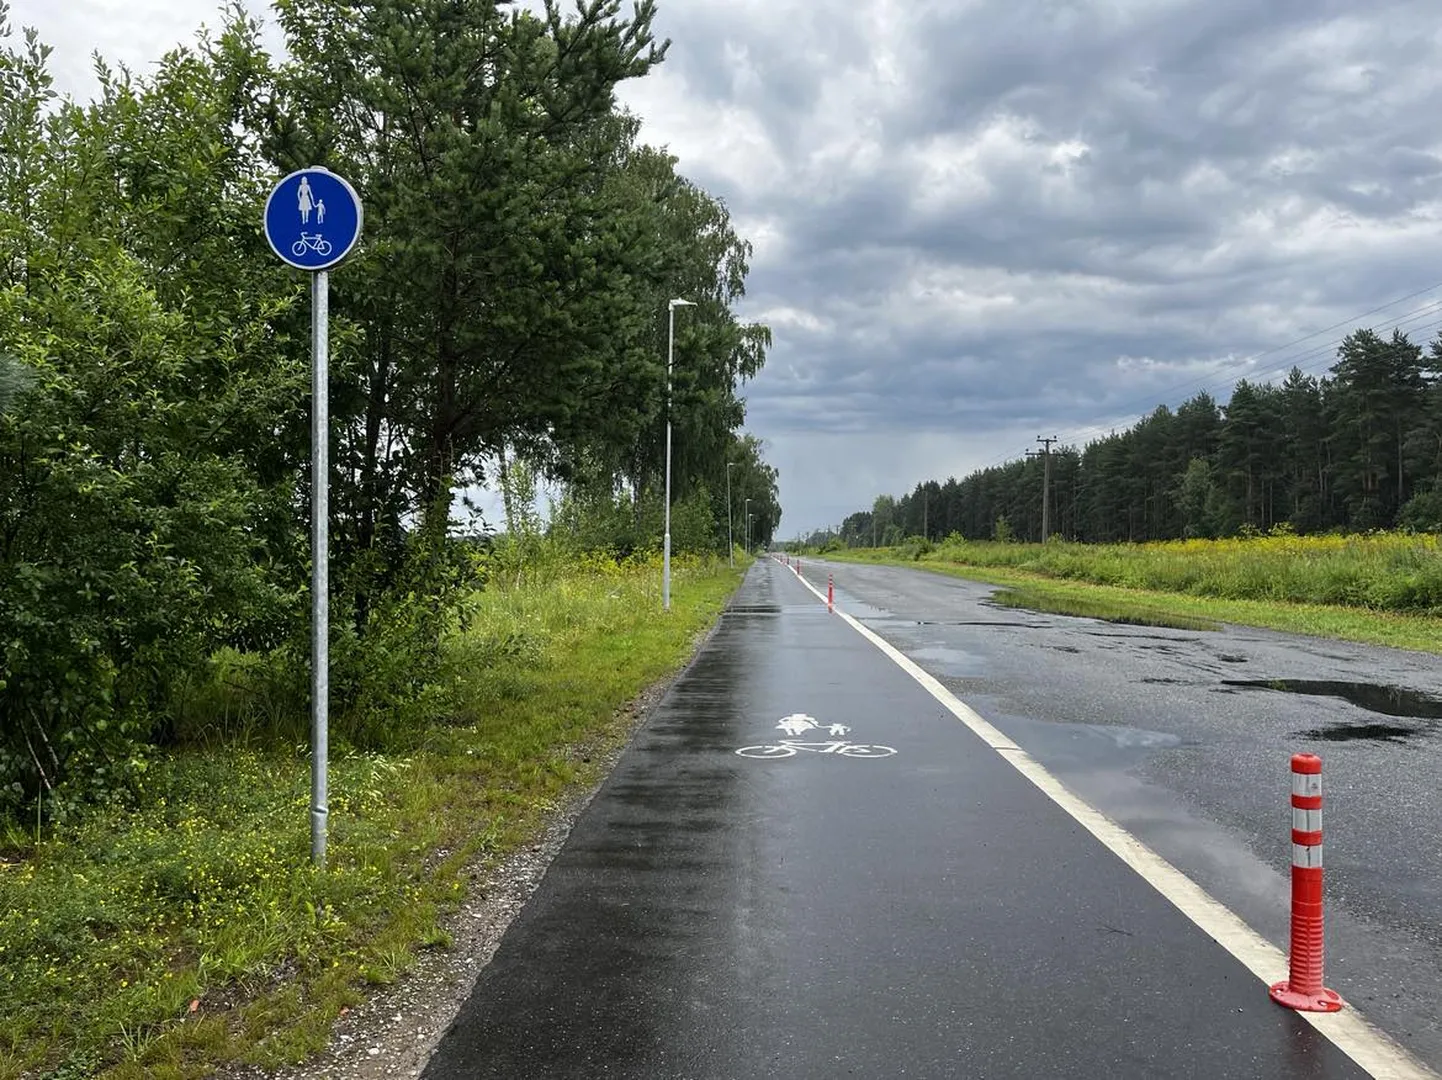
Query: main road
(815, 861)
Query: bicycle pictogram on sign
(317, 243)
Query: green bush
(914, 547)
(148, 497)
(1423, 512)
(134, 553)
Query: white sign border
(286, 257)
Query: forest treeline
(1357, 449)
(503, 320)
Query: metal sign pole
(312, 221)
(320, 560)
(666, 543)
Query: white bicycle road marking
(1348, 1030)
(788, 748)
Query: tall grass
(1379, 571)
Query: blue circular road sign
(313, 219)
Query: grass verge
(1422, 633)
(165, 939)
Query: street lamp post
(748, 531)
(746, 524)
(730, 544)
(666, 540)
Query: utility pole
(1046, 485)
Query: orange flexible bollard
(1304, 989)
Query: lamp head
(681, 303)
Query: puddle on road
(1128, 614)
(752, 609)
(1126, 738)
(1393, 733)
(949, 661)
(1075, 745)
(903, 624)
(1387, 700)
(980, 622)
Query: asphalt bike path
(867, 890)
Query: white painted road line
(1348, 1030)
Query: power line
(1076, 435)
(1246, 361)
(1328, 349)
(1294, 360)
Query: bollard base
(1323, 1000)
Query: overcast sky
(980, 221)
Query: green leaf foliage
(139, 525)
(508, 303)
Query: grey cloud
(1407, 164)
(1163, 189)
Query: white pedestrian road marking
(796, 723)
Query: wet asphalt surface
(927, 912)
(1157, 729)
